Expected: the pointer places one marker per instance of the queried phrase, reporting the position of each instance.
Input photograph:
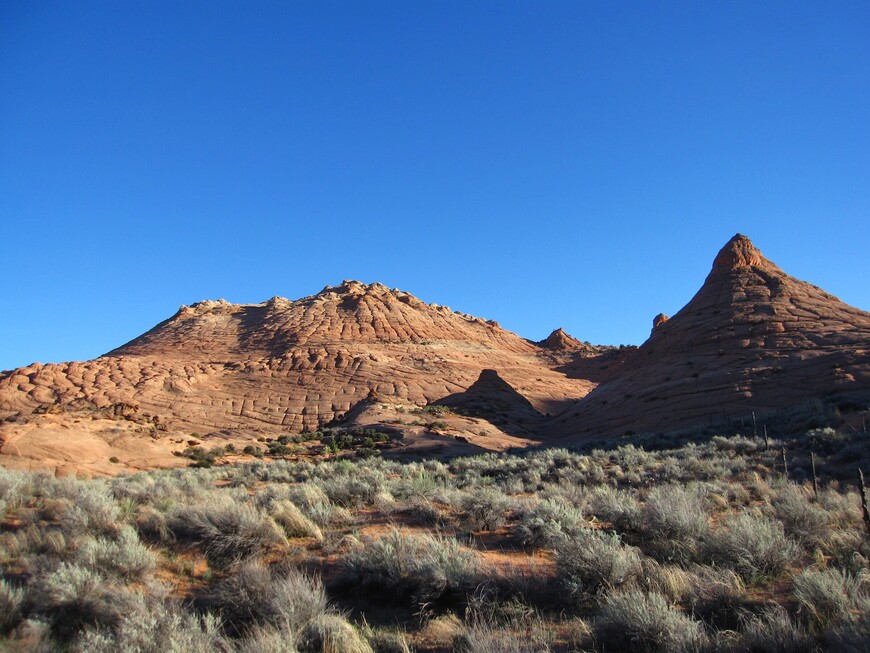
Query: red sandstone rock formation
(281, 366)
(752, 339)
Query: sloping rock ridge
(753, 338)
(283, 366)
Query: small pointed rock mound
(753, 338)
(495, 400)
(559, 340)
(739, 252)
(658, 320)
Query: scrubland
(681, 542)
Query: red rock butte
(752, 339)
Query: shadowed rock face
(282, 365)
(752, 338)
(493, 399)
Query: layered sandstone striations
(752, 339)
(283, 366)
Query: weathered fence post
(766, 440)
(784, 463)
(864, 501)
(815, 478)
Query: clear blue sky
(544, 164)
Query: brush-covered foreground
(656, 545)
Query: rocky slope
(283, 366)
(367, 357)
(752, 339)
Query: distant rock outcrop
(752, 339)
(561, 341)
(658, 320)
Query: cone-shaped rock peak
(559, 340)
(739, 252)
(752, 338)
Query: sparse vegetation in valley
(650, 544)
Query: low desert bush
(830, 596)
(618, 507)
(73, 597)
(674, 521)
(125, 556)
(93, 511)
(160, 629)
(228, 531)
(849, 636)
(548, 523)
(593, 562)
(645, 621)
(11, 600)
(253, 596)
(421, 567)
(718, 597)
(485, 509)
(750, 545)
(386, 640)
(803, 519)
(774, 631)
(331, 633)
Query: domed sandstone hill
(752, 339)
(284, 366)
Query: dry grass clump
(295, 524)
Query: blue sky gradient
(573, 164)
